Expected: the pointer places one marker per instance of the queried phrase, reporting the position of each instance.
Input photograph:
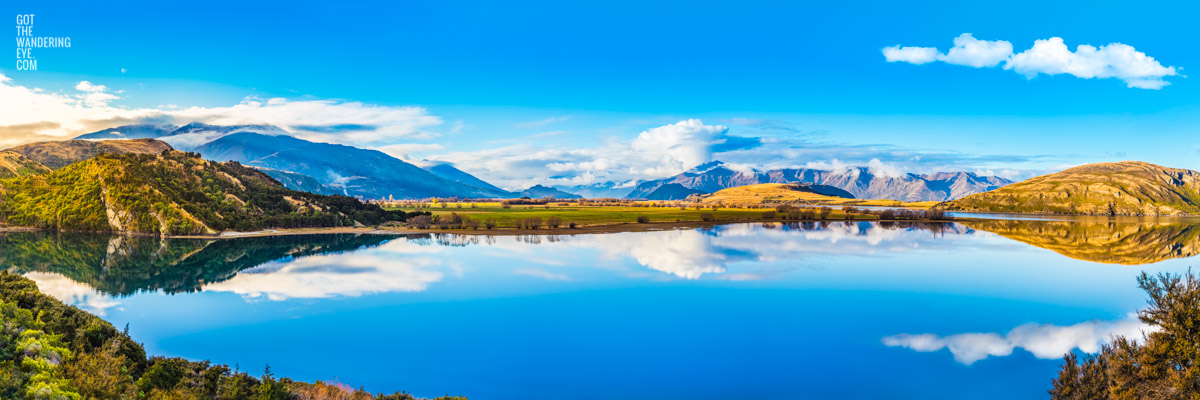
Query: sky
(584, 92)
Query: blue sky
(539, 83)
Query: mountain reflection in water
(699, 313)
(120, 265)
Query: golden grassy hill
(792, 193)
(14, 165)
(1122, 188)
(58, 154)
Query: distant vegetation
(1124, 188)
(50, 350)
(1165, 364)
(530, 214)
(171, 193)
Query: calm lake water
(838, 310)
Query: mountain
(186, 138)
(601, 190)
(671, 191)
(539, 191)
(138, 131)
(13, 164)
(349, 170)
(301, 182)
(448, 172)
(860, 182)
(170, 193)
(61, 153)
(1122, 188)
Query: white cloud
(655, 153)
(679, 146)
(880, 168)
(74, 293)
(977, 53)
(337, 275)
(32, 114)
(544, 122)
(85, 86)
(1115, 60)
(403, 150)
(1047, 56)
(912, 55)
(1043, 340)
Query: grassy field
(586, 215)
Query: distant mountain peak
(708, 166)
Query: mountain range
(310, 166)
(859, 182)
(339, 169)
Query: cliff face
(1123, 188)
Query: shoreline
(589, 229)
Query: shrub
(420, 222)
(553, 222)
(489, 223)
(706, 216)
(768, 214)
(571, 225)
(641, 219)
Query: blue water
(736, 311)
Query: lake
(981, 309)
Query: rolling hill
(539, 191)
(168, 194)
(1121, 188)
(778, 192)
(13, 164)
(860, 182)
(58, 154)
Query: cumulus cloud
(977, 53)
(1047, 56)
(679, 146)
(1042, 340)
(1052, 57)
(32, 114)
(654, 153)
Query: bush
(420, 222)
(641, 219)
(572, 225)
(768, 215)
(553, 222)
(489, 223)
(706, 216)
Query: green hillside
(171, 193)
(1123, 188)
